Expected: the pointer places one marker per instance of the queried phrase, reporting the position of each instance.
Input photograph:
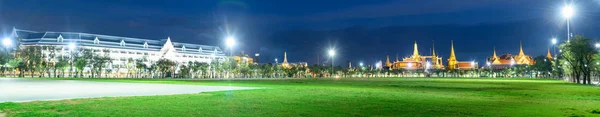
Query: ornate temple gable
(168, 51)
(14, 33)
(59, 38)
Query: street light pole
(568, 12)
(230, 42)
(331, 53)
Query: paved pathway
(24, 90)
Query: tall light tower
(568, 12)
(72, 47)
(230, 42)
(331, 54)
(554, 41)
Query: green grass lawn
(341, 97)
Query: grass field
(341, 97)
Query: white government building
(121, 48)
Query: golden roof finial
(549, 56)
(495, 56)
(397, 58)
(285, 57)
(521, 53)
(416, 50)
(433, 48)
(387, 61)
(452, 56)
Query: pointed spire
(452, 56)
(285, 58)
(397, 58)
(387, 61)
(521, 53)
(416, 50)
(495, 56)
(433, 48)
(548, 55)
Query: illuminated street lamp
(7, 42)
(597, 45)
(568, 12)
(230, 42)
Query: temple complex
(508, 60)
(285, 63)
(454, 64)
(416, 61)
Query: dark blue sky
(361, 30)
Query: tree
(577, 57)
(165, 66)
(80, 64)
(542, 65)
(62, 65)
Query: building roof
(106, 41)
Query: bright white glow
(512, 62)
(409, 65)
(6, 41)
(568, 11)
(559, 50)
(331, 52)
(597, 63)
(230, 41)
(72, 46)
(361, 64)
(488, 63)
(597, 45)
(554, 41)
(377, 65)
(473, 63)
(276, 60)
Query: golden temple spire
(452, 56)
(433, 48)
(452, 63)
(549, 56)
(416, 51)
(387, 61)
(397, 58)
(285, 57)
(521, 53)
(495, 56)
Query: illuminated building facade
(416, 61)
(454, 64)
(119, 49)
(508, 60)
(286, 64)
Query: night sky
(360, 30)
